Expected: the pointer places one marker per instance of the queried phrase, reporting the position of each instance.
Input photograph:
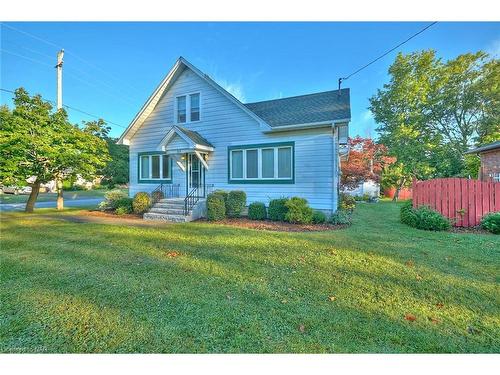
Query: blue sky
(111, 68)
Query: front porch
(183, 200)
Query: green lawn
(88, 287)
(51, 197)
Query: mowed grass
(199, 287)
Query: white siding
(223, 124)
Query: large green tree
(38, 145)
(116, 170)
(432, 111)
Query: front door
(195, 173)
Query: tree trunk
(35, 188)
(60, 198)
(398, 190)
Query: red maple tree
(366, 161)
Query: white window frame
(150, 164)
(259, 163)
(188, 108)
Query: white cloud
(367, 116)
(234, 88)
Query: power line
(385, 53)
(113, 95)
(70, 53)
(75, 109)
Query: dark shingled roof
(488, 147)
(304, 109)
(195, 137)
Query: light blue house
(192, 136)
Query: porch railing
(163, 191)
(200, 191)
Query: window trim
(260, 179)
(188, 108)
(151, 180)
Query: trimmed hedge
(318, 217)
(299, 211)
(423, 217)
(141, 202)
(257, 211)
(491, 222)
(277, 209)
(224, 194)
(235, 203)
(216, 207)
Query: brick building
(490, 161)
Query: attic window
(187, 108)
(181, 109)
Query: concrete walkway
(67, 203)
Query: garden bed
(276, 226)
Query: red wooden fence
(404, 193)
(462, 200)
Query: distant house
(368, 187)
(490, 161)
(193, 136)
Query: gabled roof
(192, 138)
(166, 83)
(304, 109)
(488, 147)
(195, 137)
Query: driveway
(67, 203)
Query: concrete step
(171, 200)
(170, 205)
(167, 210)
(167, 217)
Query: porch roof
(194, 140)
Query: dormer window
(187, 108)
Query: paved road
(67, 203)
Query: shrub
(347, 202)
(257, 211)
(318, 217)
(110, 199)
(216, 208)
(423, 217)
(121, 211)
(224, 194)
(236, 201)
(299, 211)
(407, 214)
(277, 209)
(141, 202)
(341, 218)
(157, 195)
(124, 205)
(491, 222)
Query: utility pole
(58, 67)
(58, 180)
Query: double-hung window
(261, 164)
(187, 108)
(154, 167)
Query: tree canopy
(432, 111)
(366, 161)
(38, 145)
